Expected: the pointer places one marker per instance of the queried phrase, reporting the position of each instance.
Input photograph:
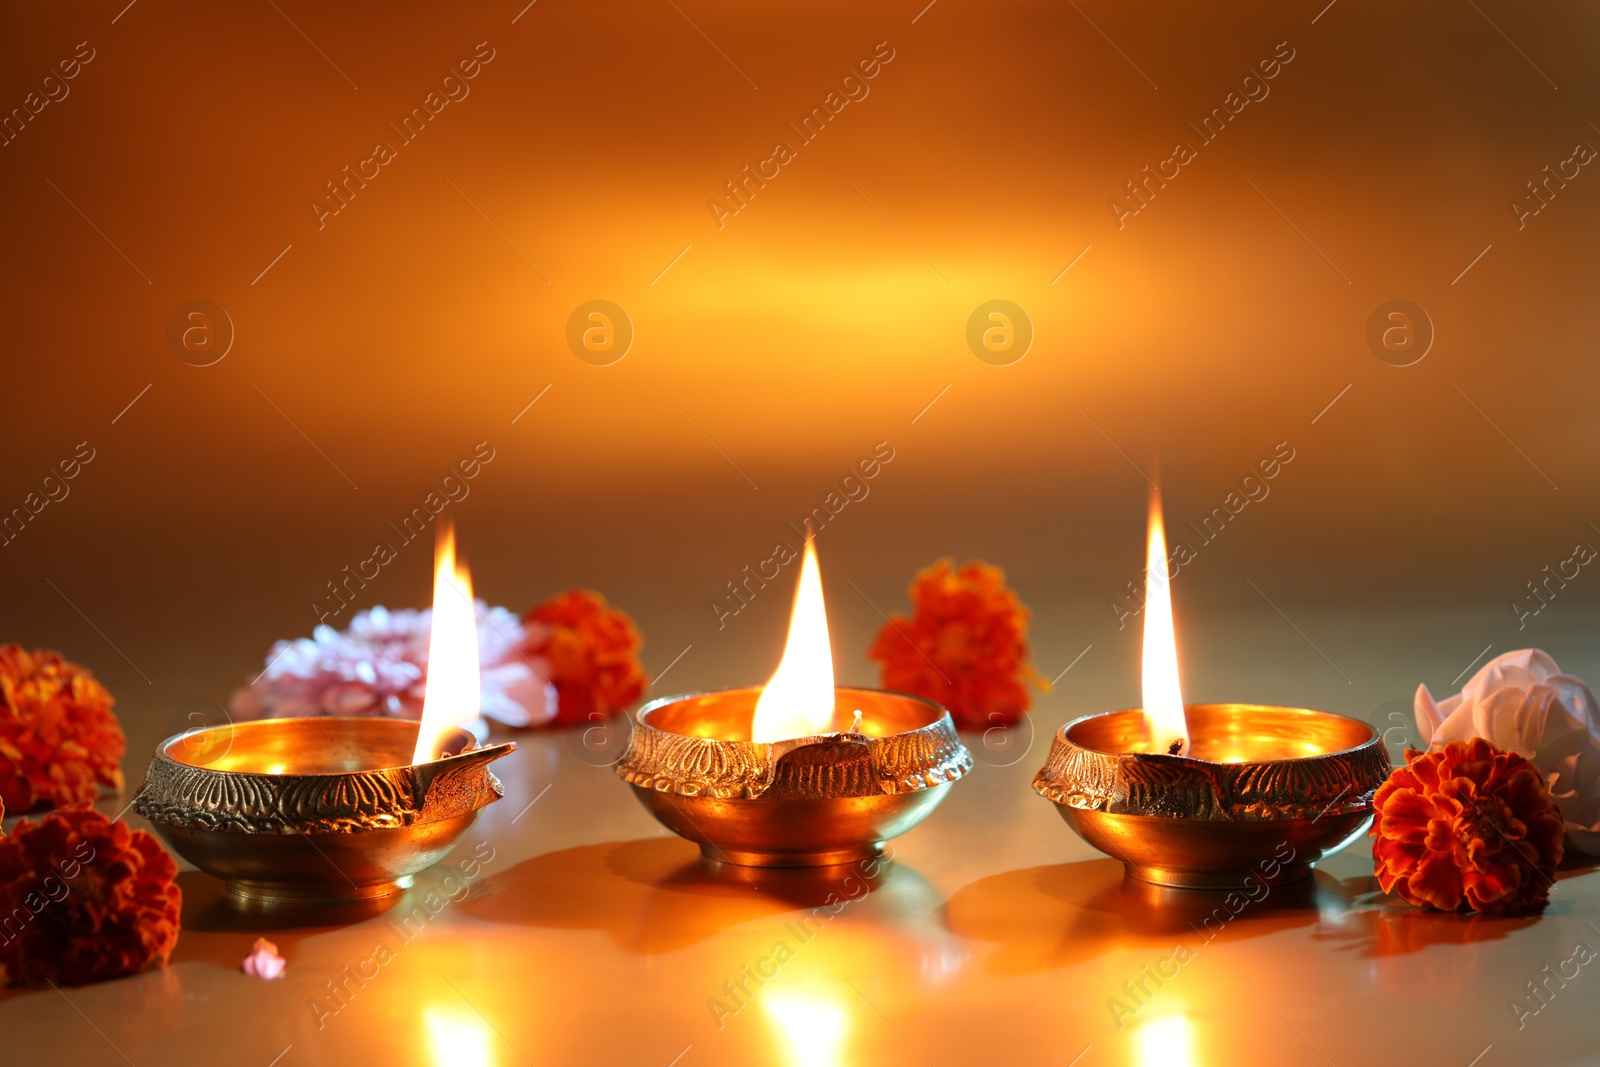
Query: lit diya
(331, 809)
(1210, 795)
(796, 773)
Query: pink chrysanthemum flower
(379, 666)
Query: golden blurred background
(1226, 318)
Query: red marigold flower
(965, 645)
(83, 898)
(1468, 827)
(593, 651)
(58, 737)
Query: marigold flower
(1521, 702)
(965, 645)
(593, 652)
(59, 740)
(1467, 828)
(84, 898)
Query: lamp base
(791, 832)
(1216, 855)
(255, 892)
(821, 858)
(1217, 880)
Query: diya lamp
(335, 809)
(1206, 796)
(796, 773)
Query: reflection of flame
(1165, 1042)
(811, 1025)
(457, 1037)
(1163, 699)
(798, 702)
(451, 697)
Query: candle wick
(855, 727)
(1176, 747)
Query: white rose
(1521, 702)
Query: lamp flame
(1164, 718)
(451, 696)
(798, 701)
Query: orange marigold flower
(1467, 828)
(593, 650)
(58, 738)
(965, 645)
(84, 898)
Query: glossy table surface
(1441, 474)
(589, 935)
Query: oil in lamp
(796, 773)
(1206, 796)
(335, 809)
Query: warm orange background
(808, 329)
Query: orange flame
(451, 697)
(798, 701)
(1164, 718)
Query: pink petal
(264, 961)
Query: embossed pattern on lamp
(327, 809)
(1205, 796)
(797, 773)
